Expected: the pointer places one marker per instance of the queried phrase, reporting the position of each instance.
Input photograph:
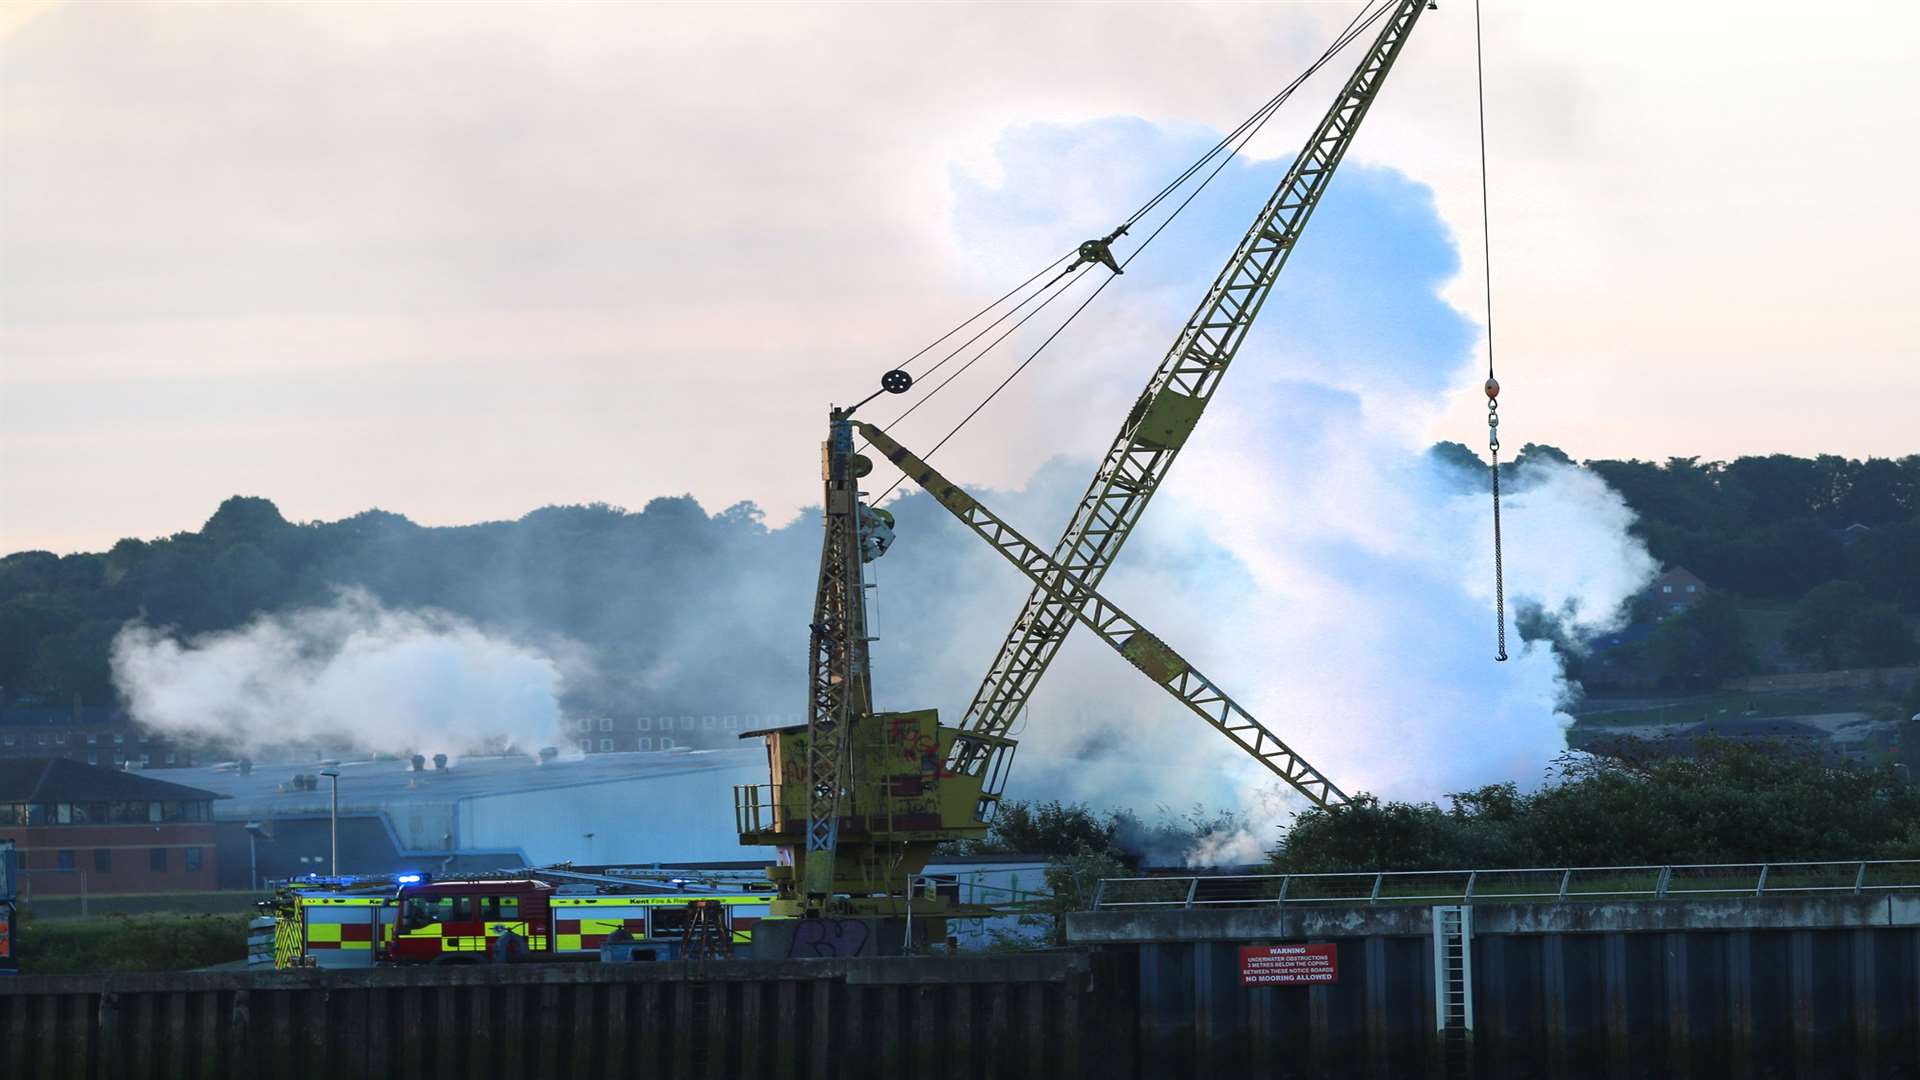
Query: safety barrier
(1554, 884)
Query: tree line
(649, 586)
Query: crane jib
(1140, 646)
(1166, 413)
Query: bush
(129, 943)
(1727, 803)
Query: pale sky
(459, 262)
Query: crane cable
(1493, 385)
(1241, 135)
(1259, 116)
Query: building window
(646, 743)
(606, 723)
(583, 725)
(606, 744)
(645, 723)
(586, 746)
(666, 743)
(66, 860)
(43, 738)
(706, 722)
(1666, 588)
(60, 738)
(1693, 588)
(102, 860)
(157, 860)
(93, 757)
(193, 860)
(686, 723)
(118, 739)
(8, 740)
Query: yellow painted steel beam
(1115, 627)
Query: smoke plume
(353, 674)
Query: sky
(1307, 553)
(462, 261)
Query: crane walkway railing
(1543, 884)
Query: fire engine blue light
(408, 879)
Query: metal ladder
(1453, 985)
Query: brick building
(80, 828)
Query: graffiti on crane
(828, 938)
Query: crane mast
(1166, 413)
(839, 682)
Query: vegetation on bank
(122, 943)
(1726, 803)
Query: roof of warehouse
(268, 790)
(47, 780)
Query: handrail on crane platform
(1384, 887)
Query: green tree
(1878, 637)
(1703, 645)
(1046, 828)
(1725, 803)
(1820, 625)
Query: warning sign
(1288, 965)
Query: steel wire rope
(908, 362)
(1346, 37)
(1340, 41)
(1493, 385)
(964, 368)
(1257, 118)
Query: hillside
(1808, 563)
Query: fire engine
(361, 922)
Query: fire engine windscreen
(354, 674)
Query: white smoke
(353, 674)
(1308, 553)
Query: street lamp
(333, 816)
(256, 830)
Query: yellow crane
(856, 800)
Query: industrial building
(476, 813)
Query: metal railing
(1538, 884)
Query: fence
(1555, 884)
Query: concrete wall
(1789, 987)
(1052, 1016)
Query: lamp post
(333, 817)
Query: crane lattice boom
(1168, 410)
(1115, 627)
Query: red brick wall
(129, 854)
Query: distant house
(89, 733)
(83, 828)
(1675, 591)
